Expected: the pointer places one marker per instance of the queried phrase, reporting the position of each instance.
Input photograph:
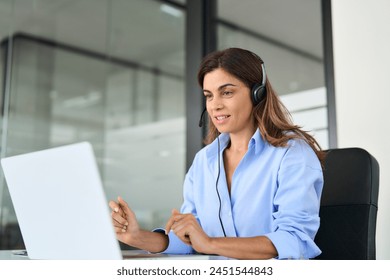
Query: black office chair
(349, 205)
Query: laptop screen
(60, 204)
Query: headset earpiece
(258, 90)
(258, 93)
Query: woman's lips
(221, 118)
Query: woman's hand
(124, 221)
(187, 228)
(128, 231)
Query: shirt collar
(257, 141)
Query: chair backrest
(349, 205)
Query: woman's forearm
(259, 247)
(150, 241)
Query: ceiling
(301, 16)
(118, 27)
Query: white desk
(130, 254)
(9, 255)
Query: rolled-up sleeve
(296, 205)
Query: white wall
(361, 40)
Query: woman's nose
(215, 104)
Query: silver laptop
(62, 209)
(60, 204)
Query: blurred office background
(120, 74)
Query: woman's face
(228, 102)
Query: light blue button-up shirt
(275, 192)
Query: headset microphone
(201, 118)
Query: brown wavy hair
(271, 116)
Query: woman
(254, 191)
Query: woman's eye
(227, 93)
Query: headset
(258, 90)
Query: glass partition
(107, 72)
